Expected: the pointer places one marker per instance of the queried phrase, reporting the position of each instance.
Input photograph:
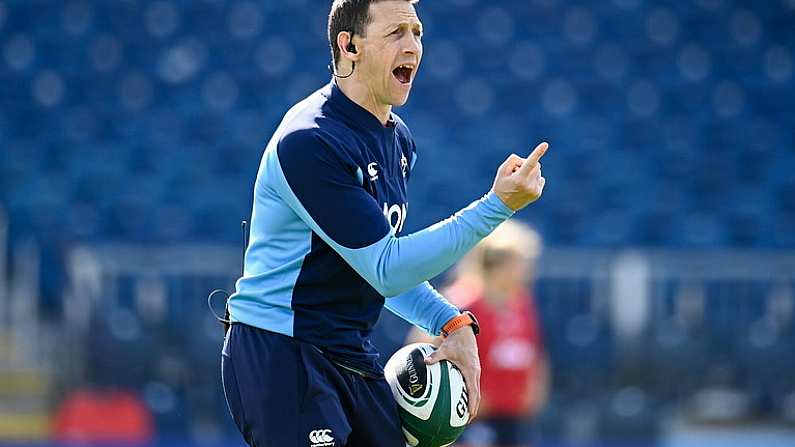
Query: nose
(412, 45)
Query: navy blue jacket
(327, 250)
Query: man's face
(392, 51)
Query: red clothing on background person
(511, 350)
(108, 417)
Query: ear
(344, 39)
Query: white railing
(625, 284)
(3, 273)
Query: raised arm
(324, 189)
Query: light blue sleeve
(423, 306)
(393, 265)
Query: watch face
(475, 325)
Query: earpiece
(351, 48)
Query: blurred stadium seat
(671, 126)
(188, 93)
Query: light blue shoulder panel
(280, 241)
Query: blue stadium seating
(671, 125)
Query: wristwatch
(466, 318)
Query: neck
(362, 95)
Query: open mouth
(403, 73)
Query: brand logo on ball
(463, 403)
(321, 438)
(414, 374)
(414, 380)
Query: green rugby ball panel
(433, 402)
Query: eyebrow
(393, 26)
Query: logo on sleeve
(321, 438)
(404, 164)
(372, 171)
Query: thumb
(435, 357)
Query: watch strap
(465, 319)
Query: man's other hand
(461, 349)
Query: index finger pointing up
(532, 160)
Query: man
(327, 252)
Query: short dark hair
(352, 16)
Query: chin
(400, 100)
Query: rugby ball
(432, 399)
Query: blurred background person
(495, 281)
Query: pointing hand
(519, 181)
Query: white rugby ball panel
(415, 385)
(410, 439)
(459, 399)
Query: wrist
(502, 201)
(465, 319)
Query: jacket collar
(355, 113)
